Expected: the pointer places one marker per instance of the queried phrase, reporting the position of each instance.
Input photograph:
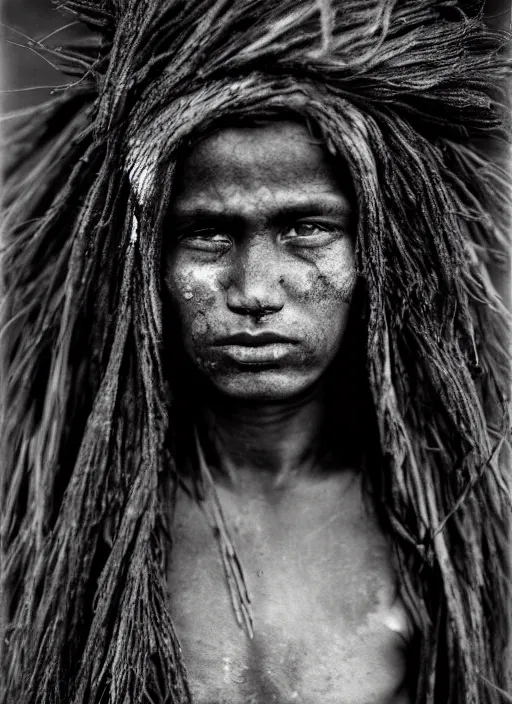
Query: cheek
(328, 295)
(193, 292)
(334, 287)
(332, 298)
(326, 303)
(337, 273)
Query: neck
(281, 439)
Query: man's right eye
(206, 240)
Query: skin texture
(328, 626)
(261, 239)
(261, 244)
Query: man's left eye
(306, 234)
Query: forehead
(276, 160)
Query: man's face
(259, 260)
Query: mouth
(260, 339)
(264, 354)
(262, 348)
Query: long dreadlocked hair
(404, 90)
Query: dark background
(22, 68)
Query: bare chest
(328, 626)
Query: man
(255, 370)
(261, 272)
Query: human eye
(206, 240)
(313, 234)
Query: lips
(262, 348)
(248, 339)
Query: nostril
(262, 312)
(254, 307)
(259, 298)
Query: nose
(255, 283)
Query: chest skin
(328, 627)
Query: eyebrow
(299, 208)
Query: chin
(264, 385)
